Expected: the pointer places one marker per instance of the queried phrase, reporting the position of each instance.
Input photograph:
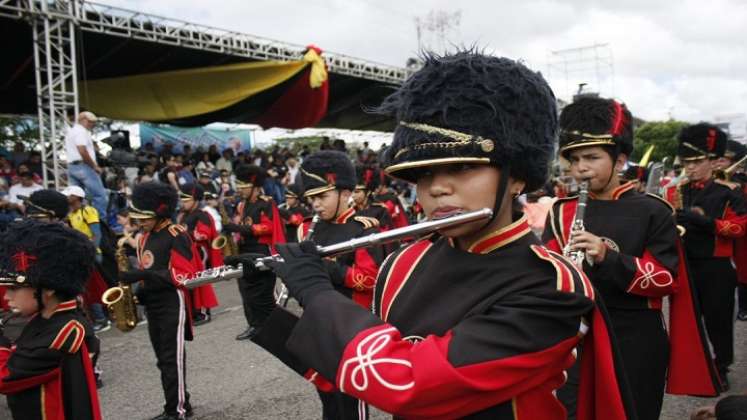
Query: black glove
(693, 220)
(246, 261)
(134, 276)
(302, 271)
(336, 272)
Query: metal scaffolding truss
(100, 18)
(55, 22)
(56, 80)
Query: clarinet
(578, 256)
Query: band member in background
(212, 204)
(45, 266)
(368, 182)
(712, 212)
(389, 198)
(201, 229)
(294, 211)
(329, 179)
(630, 242)
(735, 152)
(166, 256)
(257, 220)
(478, 321)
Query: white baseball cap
(90, 116)
(75, 191)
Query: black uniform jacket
(482, 334)
(723, 203)
(47, 374)
(356, 273)
(644, 263)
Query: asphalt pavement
(230, 379)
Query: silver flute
(228, 272)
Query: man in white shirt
(23, 189)
(83, 169)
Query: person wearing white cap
(83, 170)
(85, 219)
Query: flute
(228, 272)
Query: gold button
(487, 146)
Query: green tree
(662, 134)
(14, 129)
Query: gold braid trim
(460, 139)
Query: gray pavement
(228, 379)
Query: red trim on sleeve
(651, 278)
(51, 400)
(361, 277)
(417, 380)
(91, 381)
(11, 387)
(319, 381)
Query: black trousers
(167, 318)
(715, 281)
(643, 344)
(742, 288)
(257, 296)
(339, 406)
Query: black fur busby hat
(472, 108)
(735, 150)
(248, 176)
(47, 203)
(191, 191)
(294, 190)
(700, 141)
(153, 199)
(45, 255)
(592, 121)
(327, 170)
(369, 177)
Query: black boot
(248, 334)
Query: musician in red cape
(201, 228)
(166, 257)
(713, 215)
(47, 373)
(363, 197)
(294, 211)
(480, 320)
(632, 258)
(259, 227)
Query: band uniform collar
(620, 190)
(500, 238)
(66, 306)
(345, 216)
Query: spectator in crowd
(24, 188)
(213, 153)
(6, 168)
(206, 182)
(85, 219)
(19, 154)
(83, 169)
(35, 163)
(7, 211)
(226, 161)
(205, 164)
(186, 173)
(169, 174)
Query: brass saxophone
(120, 300)
(578, 256)
(225, 240)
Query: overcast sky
(683, 58)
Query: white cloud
(684, 57)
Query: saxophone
(120, 300)
(577, 257)
(225, 241)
